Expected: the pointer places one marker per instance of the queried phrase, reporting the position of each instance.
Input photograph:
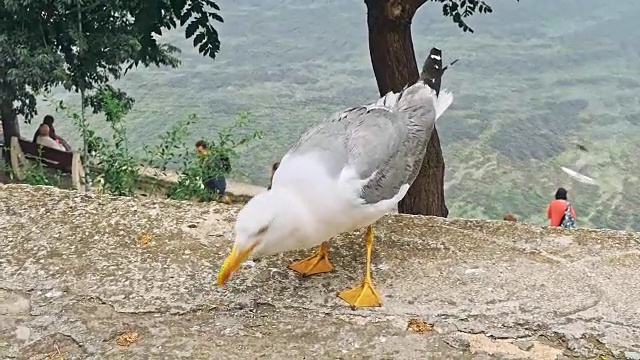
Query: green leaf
(216, 17)
(212, 4)
(191, 29)
(39, 53)
(199, 38)
(185, 17)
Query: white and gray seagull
(343, 174)
(580, 165)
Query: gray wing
(384, 146)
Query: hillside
(536, 76)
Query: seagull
(579, 167)
(343, 174)
(433, 70)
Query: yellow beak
(232, 264)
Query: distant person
(274, 167)
(561, 213)
(510, 217)
(48, 120)
(215, 169)
(44, 138)
(2, 150)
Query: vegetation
(194, 169)
(82, 45)
(115, 170)
(534, 77)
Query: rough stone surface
(78, 271)
(632, 355)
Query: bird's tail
(419, 100)
(424, 96)
(442, 102)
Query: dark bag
(568, 221)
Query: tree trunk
(394, 65)
(10, 128)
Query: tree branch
(415, 4)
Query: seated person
(48, 120)
(44, 138)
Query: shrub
(195, 168)
(111, 165)
(118, 171)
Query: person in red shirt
(558, 207)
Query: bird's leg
(364, 295)
(316, 264)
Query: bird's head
(259, 229)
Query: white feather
(442, 102)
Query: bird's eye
(262, 230)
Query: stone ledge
(80, 269)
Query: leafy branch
(459, 10)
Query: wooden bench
(65, 161)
